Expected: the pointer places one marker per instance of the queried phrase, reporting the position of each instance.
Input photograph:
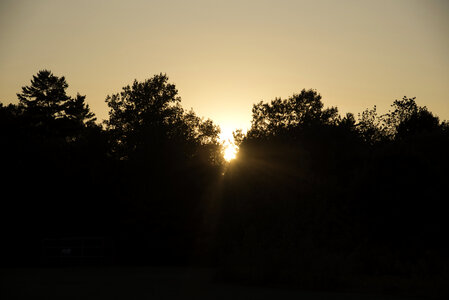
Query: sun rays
(229, 151)
(229, 148)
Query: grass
(142, 283)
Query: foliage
(405, 120)
(49, 108)
(301, 110)
(370, 126)
(328, 202)
(314, 199)
(146, 116)
(408, 119)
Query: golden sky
(224, 56)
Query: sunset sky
(224, 56)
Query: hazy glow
(229, 148)
(229, 152)
(224, 56)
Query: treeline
(314, 199)
(328, 202)
(136, 179)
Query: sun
(230, 152)
(230, 149)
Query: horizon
(224, 57)
(334, 185)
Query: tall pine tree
(50, 110)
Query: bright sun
(230, 151)
(229, 148)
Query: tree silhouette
(49, 109)
(408, 119)
(169, 156)
(46, 95)
(370, 126)
(147, 117)
(314, 199)
(299, 111)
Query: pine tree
(49, 108)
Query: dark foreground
(142, 283)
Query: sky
(225, 56)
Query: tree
(370, 126)
(146, 119)
(139, 114)
(299, 111)
(48, 107)
(46, 95)
(408, 119)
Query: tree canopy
(147, 117)
(48, 107)
(314, 199)
(298, 111)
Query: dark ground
(143, 283)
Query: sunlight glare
(230, 151)
(229, 147)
